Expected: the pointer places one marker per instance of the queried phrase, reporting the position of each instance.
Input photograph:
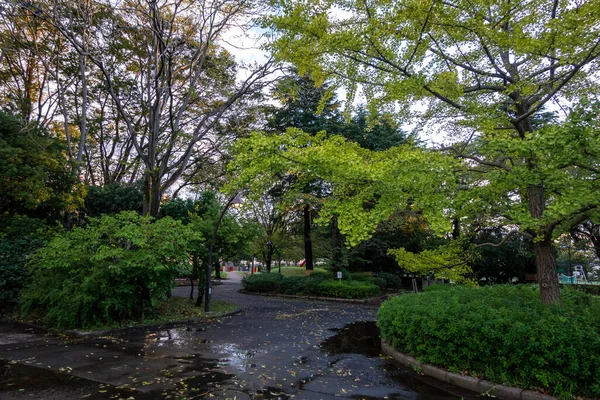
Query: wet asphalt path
(273, 349)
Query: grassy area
(223, 274)
(180, 308)
(295, 271)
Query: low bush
(322, 274)
(380, 282)
(392, 281)
(262, 283)
(439, 287)
(589, 289)
(113, 269)
(361, 277)
(501, 333)
(300, 285)
(313, 286)
(348, 289)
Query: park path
(273, 349)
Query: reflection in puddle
(363, 338)
(356, 338)
(235, 357)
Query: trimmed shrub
(501, 333)
(321, 274)
(300, 285)
(439, 287)
(309, 286)
(348, 289)
(361, 277)
(262, 283)
(392, 281)
(589, 289)
(380, 282)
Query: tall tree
(183, 83)
(312, 108)
(485, 69)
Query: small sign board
(339, 275)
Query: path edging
(463, 381)
(368, 301)
(74, 333)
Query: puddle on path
(355, 338)
(363, 338)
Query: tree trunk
(152, 194)
(217, 269)
(269, 259)
(194, 275)
(547, 275)
(308, 252)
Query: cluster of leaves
(110, 270)
(35, 174)
(392, 281)
(366, 187)
(312, 285)
(113, 198)
(368, 278)
(502, 333)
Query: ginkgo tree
(366, 187)
(483, 69)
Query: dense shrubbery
(300, 285)
(313, 285)
(19, 237)
(392, 281)
(502, 333)
(110, 270)
(348, 289)
(262, 282)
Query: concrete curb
(73, 333)
(473, 384)
(370, 301)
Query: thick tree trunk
(546, 272)
(308, 252)
(152, 194)
(547, 275)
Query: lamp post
(208, 291)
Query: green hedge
(589, 289)
(501, 333)
(262, 283)
(348, 289)
(313, 286)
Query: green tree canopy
(35, 173)
(481, 70)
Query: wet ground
(274, 349)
